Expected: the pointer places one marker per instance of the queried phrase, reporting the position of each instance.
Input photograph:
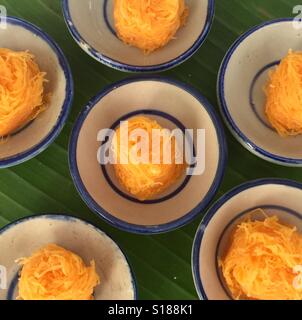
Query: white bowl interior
(255, 55)
(154, 95)
(22, 239)
(18, 38)
(273, 198)
(88, 17)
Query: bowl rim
(214, 210)
(238, 134)
(65, 109)
(155, 229)
(67, 217)
(94, 53)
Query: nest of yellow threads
(21, 90)
(149, 24)
(284, 96)
(261, 260)
(146, 179)
(54, 273)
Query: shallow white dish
(243, 75)
(23, 237)
(173, 105)
(34, 138)
(91, 24)
(276, 197)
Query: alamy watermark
(139, 146)
(3, 278)
(3, 17)
(297, 282)
(297, 22)
(298, 279)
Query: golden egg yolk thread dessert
(284, 96)
(261, 259)
(21, 90)
(54, 273)
(146, 180)
(149, 24)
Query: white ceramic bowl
(23, 237)
(276, 197)
(39, 134)
(92, 26)
(243, 75)
(173, 105)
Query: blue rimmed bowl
(242, 78)
(92, 26)
(173, 105)
(35, 137)
(23, 237)
(274, 196)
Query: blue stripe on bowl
(13, 286)
(172, 194)
(214, 209)
(252, 103)
(188, 217)
(106, 18)
(52, 135)
(132, 68)
(242, 138)
(70, 218)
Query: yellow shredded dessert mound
(149, 24)
(146, 179)
(284, 96)
(21, 90)
(261, 260)
(54, 273)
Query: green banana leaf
(44, 183)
